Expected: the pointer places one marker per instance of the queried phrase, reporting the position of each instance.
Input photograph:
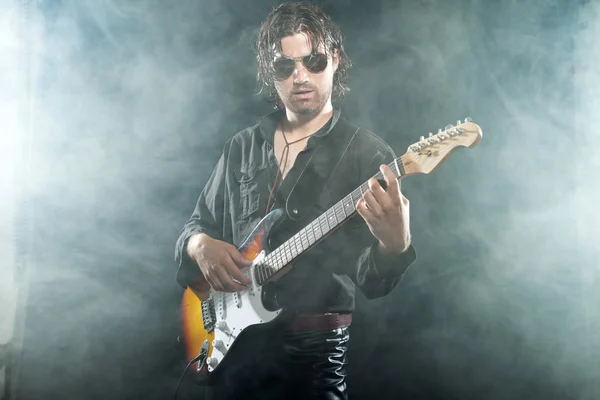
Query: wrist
(392, 250)
(193, 243)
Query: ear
(336, 59)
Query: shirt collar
(268, 124)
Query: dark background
(135, 99)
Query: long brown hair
(289, 19)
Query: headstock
(426, 155)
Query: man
(302, 158)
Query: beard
(311, 106)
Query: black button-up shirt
(235, 199)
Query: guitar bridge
(208, 314)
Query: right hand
(220, 263)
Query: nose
(300, 73)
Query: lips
(302, 94)
(302, 91)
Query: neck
(305, 124)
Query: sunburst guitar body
(212, 326)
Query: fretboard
(318, 229)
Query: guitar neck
(318, 229)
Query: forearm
(193, 242)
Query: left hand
(387, 213)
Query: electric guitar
(212, 327)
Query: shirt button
(295, 211)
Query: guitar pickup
(237, 299)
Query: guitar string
(393, 166)
(251, 270)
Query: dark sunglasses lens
(283, 68)
(315, 62)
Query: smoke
(13, 81)
(134, 101)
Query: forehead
(297, 45)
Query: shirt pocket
(251, 183)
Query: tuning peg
(458, 122)
(468, 119)
(448, 127)
(421, 139)
(430, 134)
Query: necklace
(284, 156)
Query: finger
(362, 210)
(372, 203)
(224, 279)
(234, 270)
(393, 188)
(238, 258)
(405, 201)
(229, 272)
(215, 282)
(379, 194)
(211, 282)
(209, 275)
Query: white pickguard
(234, 313)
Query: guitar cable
(198, 357)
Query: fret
(274, 256)
(271, 258)
(323, 224)
(299, 242)
(322, 227)
(295, 250)
(266, 271)
(364, 188)
(310, 238)
(399, 167)
(316, 230)
(313, 234)
(306, 241)
(339, 212)
(281, 260)
(327, 225)
(349, 205)
(331, 220)
(287, 252)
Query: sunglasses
(284, 67)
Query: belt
(320, 322)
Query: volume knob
(212, 362)
(222, 326)
(219, 345)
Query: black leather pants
(288, 365)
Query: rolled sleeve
(207, 217)
(377, 275)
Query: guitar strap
(339, 139)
